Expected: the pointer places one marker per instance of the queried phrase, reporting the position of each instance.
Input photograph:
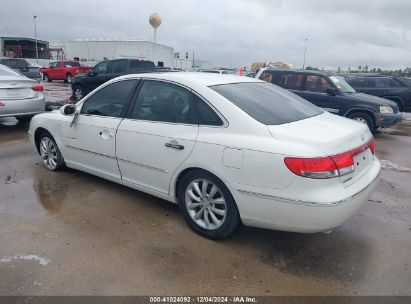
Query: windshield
(267, 103)
(342, 85)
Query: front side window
(378, 82)
(358, 82)
(315, 83)
(110, 101)
(394, 83)
(166, 102)
(291, 81)
(267, 103)
(101, 68)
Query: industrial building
(19, 47)
(95, 50)
(103, 49)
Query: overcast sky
(233, 32)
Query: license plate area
(13, 93)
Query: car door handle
(106, 134)
(174, 145)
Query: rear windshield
(267, 103)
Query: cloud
(234, 32)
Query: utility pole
(35, 37)
(193, 62)
(305, 51)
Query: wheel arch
(180, 175)
(398, 100)
(365, 111)
(37, 136)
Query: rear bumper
(388, 120)
(273, 212)
(23, 107)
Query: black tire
(232, 217)
(58, 158)
(24, 119)
(46, 78)
(364, 118)
(69, 78)
(78, 92)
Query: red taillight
(372, 146)
(37, 88)
(322, 167)
(329, 166)
(2, 104)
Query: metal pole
(305, 51)
(35, 37)
(193, 62)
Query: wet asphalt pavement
(70, 233)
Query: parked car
(20, 96)
(335, 95)
(106, 70)
(22, 66)
(63, 70)
(227, 149)
(397, 89)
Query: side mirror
(68, 110)
(91, 73)
(331, 91)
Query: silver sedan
(20, 96)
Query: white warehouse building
(103, 49)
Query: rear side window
(136, 66)
(267, 103)
(165, 102)
(117, 66)
(267, 76)
(291, 81)
(206, 115)
(378, 82)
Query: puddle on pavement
(386, 164)
(27, 257)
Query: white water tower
(155, 21)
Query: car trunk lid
(329, 135)
(16, 88)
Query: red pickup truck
(63, 70)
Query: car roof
(190, 78)
(313, 72)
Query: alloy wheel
(78, 93)
(49, 153)
(205, 204)
(360, 119)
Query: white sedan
(227, 149)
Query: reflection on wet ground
(102, 238)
